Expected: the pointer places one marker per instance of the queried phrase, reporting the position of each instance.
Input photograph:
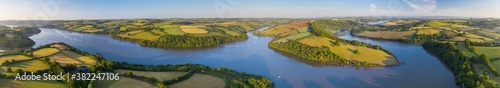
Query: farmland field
(428, 31)
(492, 52)
(59, 46)
(10, 83)
(302, 29)
(45, 52)
(200, 81)
(346, 51)
(293, 37)
(63, 59)
(173, 30)
(232, 33)
(462, 47)
(158, 75)
(193, 30)
(31, 66)
(472, 37)
(281, 30)
(388, 34)
(84, 59)
(145, 35)
(159, 32)
(12, 57)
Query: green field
(388, 34)
(302, 29)
(200, 81)
(10, 83)
(45, 52)
(293, 37)
(428, 31)
(462, 47)
(492, 52)
(145, 35)
(173, 30)
(31, 66)
(86, 60)
(63, 59)
(159, 32)
(232, 33)
(12, 57)
(158, 75)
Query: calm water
(420, 69)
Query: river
(420, 69)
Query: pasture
(173, 30)
(32, 66)
(427, 31)
(45, 52)
(63, 59)
(293, 37)
(492, 52)
(193, 29)
(84, 59)
(147, 35)
(388, 34)
(200, 81)
(12, 57)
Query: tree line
(460, 64)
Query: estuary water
(419, 69)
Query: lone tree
(356, 51)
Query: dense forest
(17, 37)
(460, 64)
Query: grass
(233, 33)
(462, 47)
(302, 30)
(173, 30)
(398, 22)
(496, 65)
(10, 83)
(293, 37)
(158, 75)
(281, 30)
(346, 51)
(45, 52)
(145, 35)
(492, 52)
(200, 81)
(159, 32)
(193, 30)
(428, 31)
(59, 46)
(63, 59)
(472, 37)
(388, 34)
(32, 66)
(13, 57)
(134, 32)
(208, 34)
(84, 59)
(124, 82)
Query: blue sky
(117, 9)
